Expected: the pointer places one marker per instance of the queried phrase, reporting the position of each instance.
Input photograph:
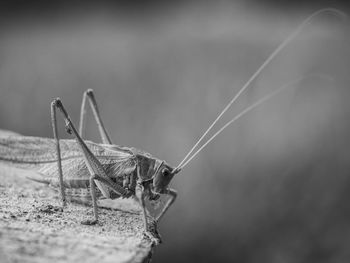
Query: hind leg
(89, 94)
(98, 176)
(58, 152)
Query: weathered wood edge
(120, 232)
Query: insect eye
(165, 172)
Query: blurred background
(275, 186)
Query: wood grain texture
(33, 230)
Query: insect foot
(89, 222)
(49, 209)
(155, 238)
(152, 233)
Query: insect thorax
(147, 166)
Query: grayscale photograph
(184, 131)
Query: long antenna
(250, 108)
(336, 12)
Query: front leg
(173, 194)
(149, 230)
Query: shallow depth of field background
(274, 187)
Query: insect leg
(93, 104)
(58, 151)
(151, 233)
(173, 194)
(139, 193)
(94, 202)
(113, 186)
(94, 166)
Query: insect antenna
(290, 38)
(252, 107)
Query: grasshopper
(85, 171)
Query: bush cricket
(84, 171)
